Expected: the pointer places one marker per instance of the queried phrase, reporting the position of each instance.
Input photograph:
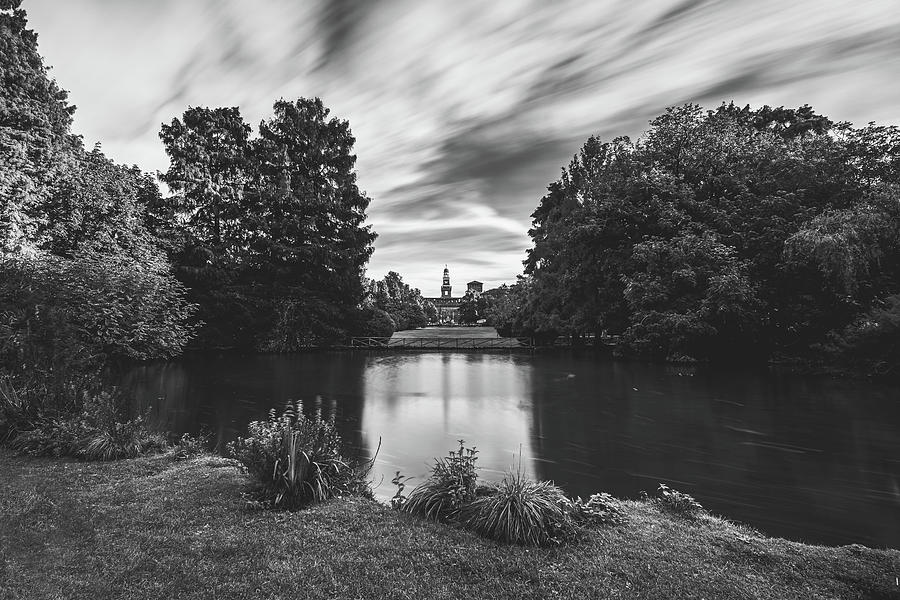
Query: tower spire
(445, 288)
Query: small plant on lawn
(675, 501)
(521, 511)
(189, 445)
(599, 509)
(108, 436)
(451, 485)
(399, 499)
(295, 460)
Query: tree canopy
(718, 233)
(83, 281)
(270, 234)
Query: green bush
(189, 445)
(599, 509)
(99, 432)
(675, 501)
(521, 511)
(451, 485)
(295, 460)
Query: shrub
(98, 432)
(121, 440)
(191, 445)
(599, 509)
(17, 413)
(675, 501)
(521, 511)
(295, 460)
(451, 485)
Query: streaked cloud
(464, 111)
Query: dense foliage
(450, 487)
(726, 233)
(473, 308)
(295, 460)
(405, 305)
(83, 282)
(266, 232)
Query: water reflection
(806, 458)
(422, 405)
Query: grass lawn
(158, 528)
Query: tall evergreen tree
(274, 226)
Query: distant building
(447, 306)
(476, 287)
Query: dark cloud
(339, 21)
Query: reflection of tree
(225, 392)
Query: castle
(448, 306)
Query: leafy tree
(311, 209)
(34, 131)
(82, 280)
(273, 244)
(209, 151)
(472, 308)
(718, 233)
(404, 304)
(505, 307)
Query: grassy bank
(159, 528)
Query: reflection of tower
(445, 289)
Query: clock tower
(445, 289)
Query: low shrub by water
(452, 485)
(518, 510)
(99, 431)
(521, 511)
(295, 460)
(675, 501)
(599, 509)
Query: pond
(807, 458)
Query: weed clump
(674, 501)
(599, 509)
(450, 486)
(295, 460)
(189, 446)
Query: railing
(442, 343)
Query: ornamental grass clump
(451, 485)
(295, 460)
(521, 511)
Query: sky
(464, 110)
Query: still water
(809, 459)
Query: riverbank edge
(155, 527)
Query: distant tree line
(725, 234)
